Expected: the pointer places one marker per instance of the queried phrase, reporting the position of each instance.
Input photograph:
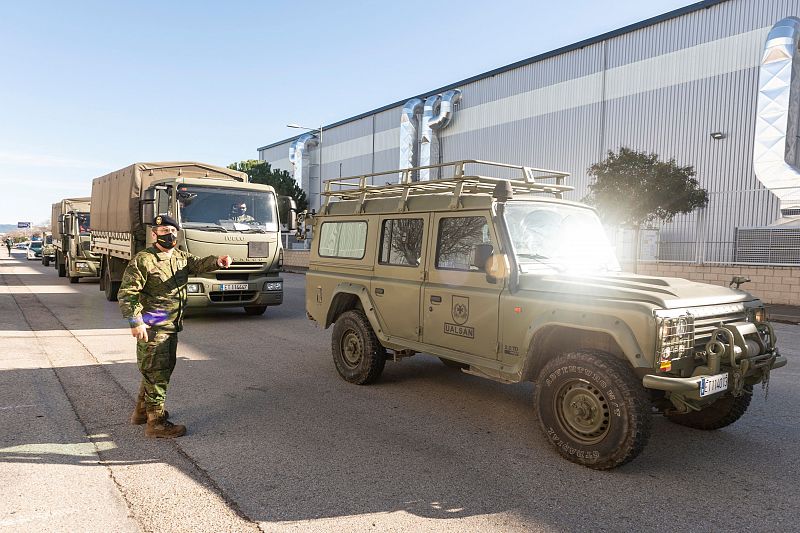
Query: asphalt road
(278, 441)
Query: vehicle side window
(346, 240)
(401, 242)
(456, 240)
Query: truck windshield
(84, 223)
(564, 237)
(227, 209)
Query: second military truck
(220, 214)
(70, 223)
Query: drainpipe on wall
(298, 156)
(436, 116)
(408, 134)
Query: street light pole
(319, 132)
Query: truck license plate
(234, 287)
(713, 384)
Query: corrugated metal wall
(662, 88)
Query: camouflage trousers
(156, 359)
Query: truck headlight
(675, 339)
(757, 315)
(273, 286)
(194, 288)
(81, 264)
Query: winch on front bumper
(737, 354)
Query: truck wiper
(214, 227)
(253, 230)
(542, 259)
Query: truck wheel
(45, 261)
(111, 288)
(593, 409)
(62, 267)
(719, 414)
(255, 310)
(357, 353)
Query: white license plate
(234, 287)
(713, 384)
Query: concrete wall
(773, 285)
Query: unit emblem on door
(460, 309)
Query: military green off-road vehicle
(491, 271)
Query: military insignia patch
(460, 309)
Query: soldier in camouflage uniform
(152, 297)
(239, 213)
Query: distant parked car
(21, 246)
(34, 250)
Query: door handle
(436, 299)
(378, 290)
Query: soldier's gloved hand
(224, 261)
(139, 332)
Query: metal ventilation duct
(437, 115)
(408, 133)
(298, 156)
(775, 147)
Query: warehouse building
(684, 85)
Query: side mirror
(480, 255)
(61, 225)
(147, 206)
(287, 212)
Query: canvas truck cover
(115, 196)
(66, 205)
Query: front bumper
(245, 293)
(743, 350)
(85, 268)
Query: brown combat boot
(139, 415)
(158, 426)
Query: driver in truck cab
(239, 213)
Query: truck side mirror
(480, 255)
(147, 206)
(61, 225)
(287, 211)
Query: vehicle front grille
(244, 265)
(232, 296)
(228, 276)
(704, 326)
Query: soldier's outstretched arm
(199, 265)
(133, 280)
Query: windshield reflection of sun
(565, 237)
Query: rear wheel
(61, 265)
(719, 414)
(593, 409)
(45, 260)
(110, 287)
(357, 353)
(255, 310)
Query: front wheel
(593, 409)
(61, 265)
(110, 287)
(46, 261)
(719, 414)
(255, 310)
(357, 353)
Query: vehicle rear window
(401, 242)
(346, 240)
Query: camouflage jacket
(153, 289)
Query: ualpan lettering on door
(461, 331)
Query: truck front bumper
(85, 268)
(204, 292)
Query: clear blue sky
(91, 86)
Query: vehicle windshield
(84, 223)
(36, 245)
(564, 237)
(48, 239)
(227, 209)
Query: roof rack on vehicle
(523, 180)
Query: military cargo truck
(48, 250)
(70, 225)
(497, 275)
(207, 201)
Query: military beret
(166, 220)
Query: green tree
(633, 189)
(282, 181)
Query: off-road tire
(607, 419)
(719, 414)
(46, 261)
(255, 310)
(358, 355)
(74, 279)
(455, 365)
